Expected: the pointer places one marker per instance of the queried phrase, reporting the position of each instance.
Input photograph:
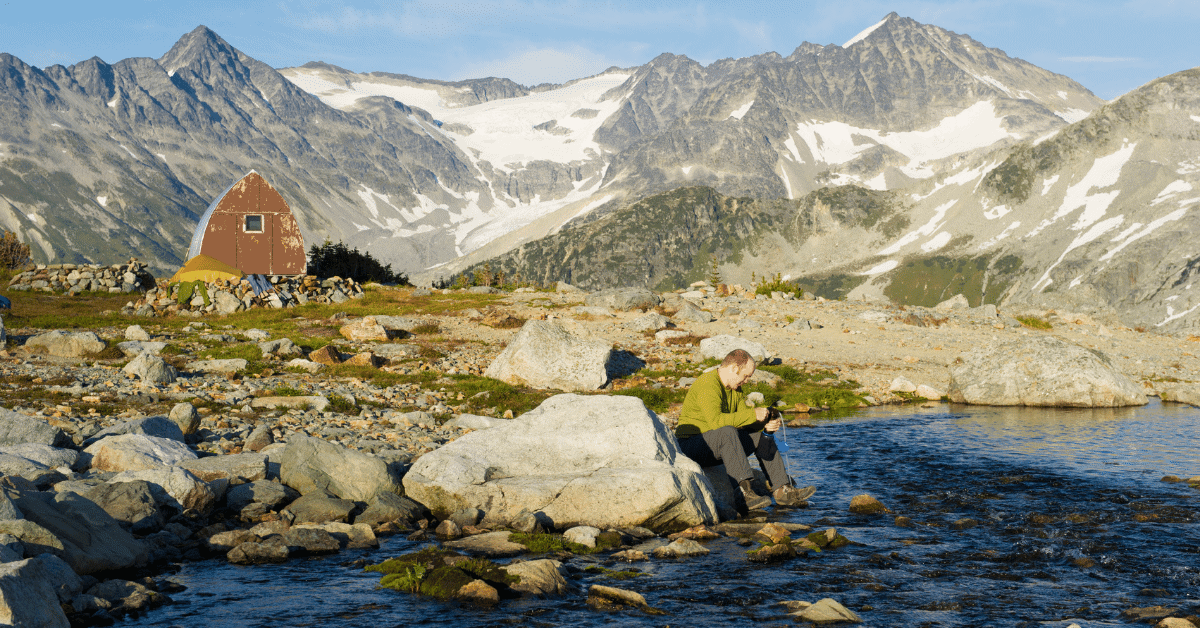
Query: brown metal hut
(250, 227)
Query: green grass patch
(288, 391)
(615, 574)
(545, 543)
(500, 395)
(656, 399)
(426, 329)
(812, 388)
(44, 310)
(1035, 323)
(341, 405)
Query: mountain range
(907, 163)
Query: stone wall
(235, 295)
(76, 278)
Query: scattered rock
(314, 465)
(185, 416)
(156, 426)
(1182, 393)
(624, 299)
(65, 344)
(828, 611)
(902, 384)
(222, 367)
(180, 489)
(27, 594)
(611, 599)
(540, 577)
(135, 452)
(273, 550)
(680, 548)
(326, 355)
(17, 429)
(489, 544)
(1040, 370)
(866, 505)
(151, 369)
(236, 468)
(478, 591)
(718, 347)
(364, 330)
(545, 354)
(583, 535)
(929, 392)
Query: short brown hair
(739, 358)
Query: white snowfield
(977, 126)
(503, 130)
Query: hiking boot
(754, 501)
(792, 496)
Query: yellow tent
(206, 269)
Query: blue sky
(1109, 47)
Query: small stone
(866, 505)
(448, 529)
(326, 355)
(479, 592)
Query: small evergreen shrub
(338, 260)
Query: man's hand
(771, 420)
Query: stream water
(1074, 526)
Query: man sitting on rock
(717, 427)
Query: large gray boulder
(718, 347)
(179, 488)
(1040, 370)
(273, 494)
(624, 299)
(28, 594)
(66, 344)
(237, 468)
(158, 426)
(313, 465)
(151, 369)
(44, 454)
(1182, 393)
(391, 508)
(540, 577)
(135, 452)
(604, 461)
(90, 539)
(37, 473)
(17, 429)
(131, 503)
(547, 354)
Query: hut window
(254, 224)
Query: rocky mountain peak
(201, 47)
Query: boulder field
(257, 476)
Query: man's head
(736, 368)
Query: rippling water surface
(1074, 526)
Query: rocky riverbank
(265, 435)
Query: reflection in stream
(1020, 517)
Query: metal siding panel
(220, 239)
(288, 255)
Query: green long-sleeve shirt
(709, 405)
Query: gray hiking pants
(730, 446)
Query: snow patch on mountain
(935, 222)
(863, 35)
(504, 132)
(1072, 115)
(975, 127)
(881, 268)
(1148, 229)
(741, 111)
(1104, 173)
